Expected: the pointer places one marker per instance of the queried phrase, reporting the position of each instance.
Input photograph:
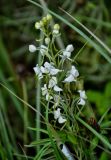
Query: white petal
(82, 94)
(57, 113)
(32, 48)
(51, 69)
(55, 31)
(48, 97)
(47, 65)
(44, 70)
(66, 152)
(74, 72)
(69, 48)
(81, 102)
(66, 54)
(57, 89)
(61, 120)
(40, 76)
(52, 82)
(54, 71)
(36, 69)
(69, 79)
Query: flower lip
(82, 97)
(82, 94)
(66, 152)
(61, 120)
(57, 116)
(57, 89)
(69, 79)
(52, 84)
(57, 113)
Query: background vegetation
(16, 66)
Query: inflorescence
(53, 71)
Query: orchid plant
(61, 83)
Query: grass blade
(101, 138)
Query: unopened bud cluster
(45, 20)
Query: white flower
(57, 89)
(81, 102)
(53, 71)
(57, 115)
(82, 98)
(49, 68)
(52, 84)
(66, 152)
(38, 71)
(72, 75)
(82, 94)
(67, 52)
(44, 70)
(32, 48)
(46, 93)
(61, 120)
(69, 79)
(43, 50)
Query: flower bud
(44, 20)
(56, 27)
(69, 48)
(41, 23)
(37, 25)
(49, 17)
(47, 41)
(32, 48)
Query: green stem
(38, 105)
(25, 98)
